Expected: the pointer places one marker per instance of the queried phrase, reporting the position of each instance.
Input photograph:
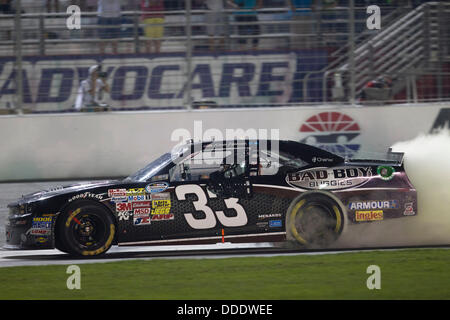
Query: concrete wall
(60, 146)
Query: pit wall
(94, 145)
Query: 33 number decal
(210, 221)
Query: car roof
(300, 150)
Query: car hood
(59, 190)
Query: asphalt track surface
(11, 191)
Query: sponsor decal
(268, 216)
(332, 131)
(39, 232)
(136, 192)
(123, 216)
(117, 192)
(156, 187)
(373, 204)
(161, 206)
(86, 195)
(409, 209)
(321, 160)
(41, 226)
(262, 224)
(119, 199)
(329, 179)
(42, 240)
(161, 217)
(142, 204)
(124, 206)
(369, 215)
(275, 224)
(42, 219)
(141, 212)
(141, 221)
(138, 198)
(386, 172)
(161, 196)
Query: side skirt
(246, 238)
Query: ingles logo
(372, 215)
(332, 131)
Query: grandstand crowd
(309, 18)
(38, 6)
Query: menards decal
(329, 178)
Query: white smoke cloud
(427, 164)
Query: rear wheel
(314, 220)
(86, 229)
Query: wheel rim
(89, 231)
(315, 222)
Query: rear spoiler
(397, 157)
(390, 158)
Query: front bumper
(25, 232)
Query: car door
(210, 196)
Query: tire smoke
(427, 164)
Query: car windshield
(151, 169)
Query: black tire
(314, 220)
(85, 229)
(59, 244)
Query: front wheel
(86, 229)
(314, 220)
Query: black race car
(209, 192)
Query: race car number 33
(210, 219)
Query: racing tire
(314, 220)
(86, 229)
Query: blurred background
(183, 54)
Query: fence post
(440, 24)
(136, 32)
(41, 35)
(18, 52)
(351, 22)
(188, 93)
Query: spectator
(91, 5)
(244, 17)
(174, 4)
(216, 21)
(6, 7)
(303, 26)
(153, 17)
(109, 20)
(90, 91)
(328, 20)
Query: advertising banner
(51, 83)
